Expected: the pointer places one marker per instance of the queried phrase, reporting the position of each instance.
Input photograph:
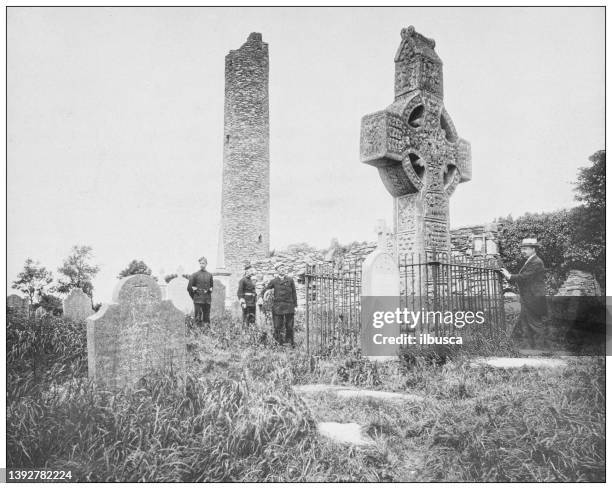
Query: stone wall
(462, 240)
(245, 224)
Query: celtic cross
(417, 151)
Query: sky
(115, 122)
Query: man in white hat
(530, 281)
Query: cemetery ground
(239, 417)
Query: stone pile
(580, 283)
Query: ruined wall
(245, 233)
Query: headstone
(579, 312)
(17, 303)
(162, 284)
(77, 305)
(176, 291)
(417, 151)
(379, 294)
(135, 335)
(217, 307)
(40, 312)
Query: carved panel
(406, 213)
(437, 236)
(395, 132)
(436, 206)
(373, 136)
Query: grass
(235, 416)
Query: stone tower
(245, 204)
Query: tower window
(227, 138)
(259, 239)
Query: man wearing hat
(247, 296)
(530, 281)
(283, 307)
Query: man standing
(532, 291)
(200, 288)
(248, 297)
(283, 307)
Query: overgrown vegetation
(235, 416)
(570, 238)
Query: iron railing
(435, 282)
(451, 284)
(333, 306)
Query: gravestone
(417, 151)
(17, 303)
(77, 305)
(217, 306)
(176, 291)
(135, 335)
(40, 312)
(379, 293)
(162, 284)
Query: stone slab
(508, 362)
(77, 305)
(383, 395)
(348, 433)
(176, 292)
(348, 392)
(136, 334)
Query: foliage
(135, 267)
(52, 304)
(573, 238)
(591, 184)
(300, 247)
(235, 417)
(76, 271)
(168, 278)
(33, 279)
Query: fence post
(306, 286)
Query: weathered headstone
(415, 147)
(17, 303)
(77, 305)
(135, 335)
(176, 291)
(162, 284)
(379, 293)
(217, 307)
(40, 312)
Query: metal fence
(437, 282)
(333, 306)
(452, 284)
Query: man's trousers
(283, 328)
(201, 313)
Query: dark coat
(246, 291)
(285, 297)
(200, 287)
(530, 281)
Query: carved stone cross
(417, 151)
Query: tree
(588, 227)
(33, 279)
(135, 267)
(52, 304)
(591, 185)
(76, 271)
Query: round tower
(245, 204)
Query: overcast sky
(115, 121)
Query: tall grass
(235, 416)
